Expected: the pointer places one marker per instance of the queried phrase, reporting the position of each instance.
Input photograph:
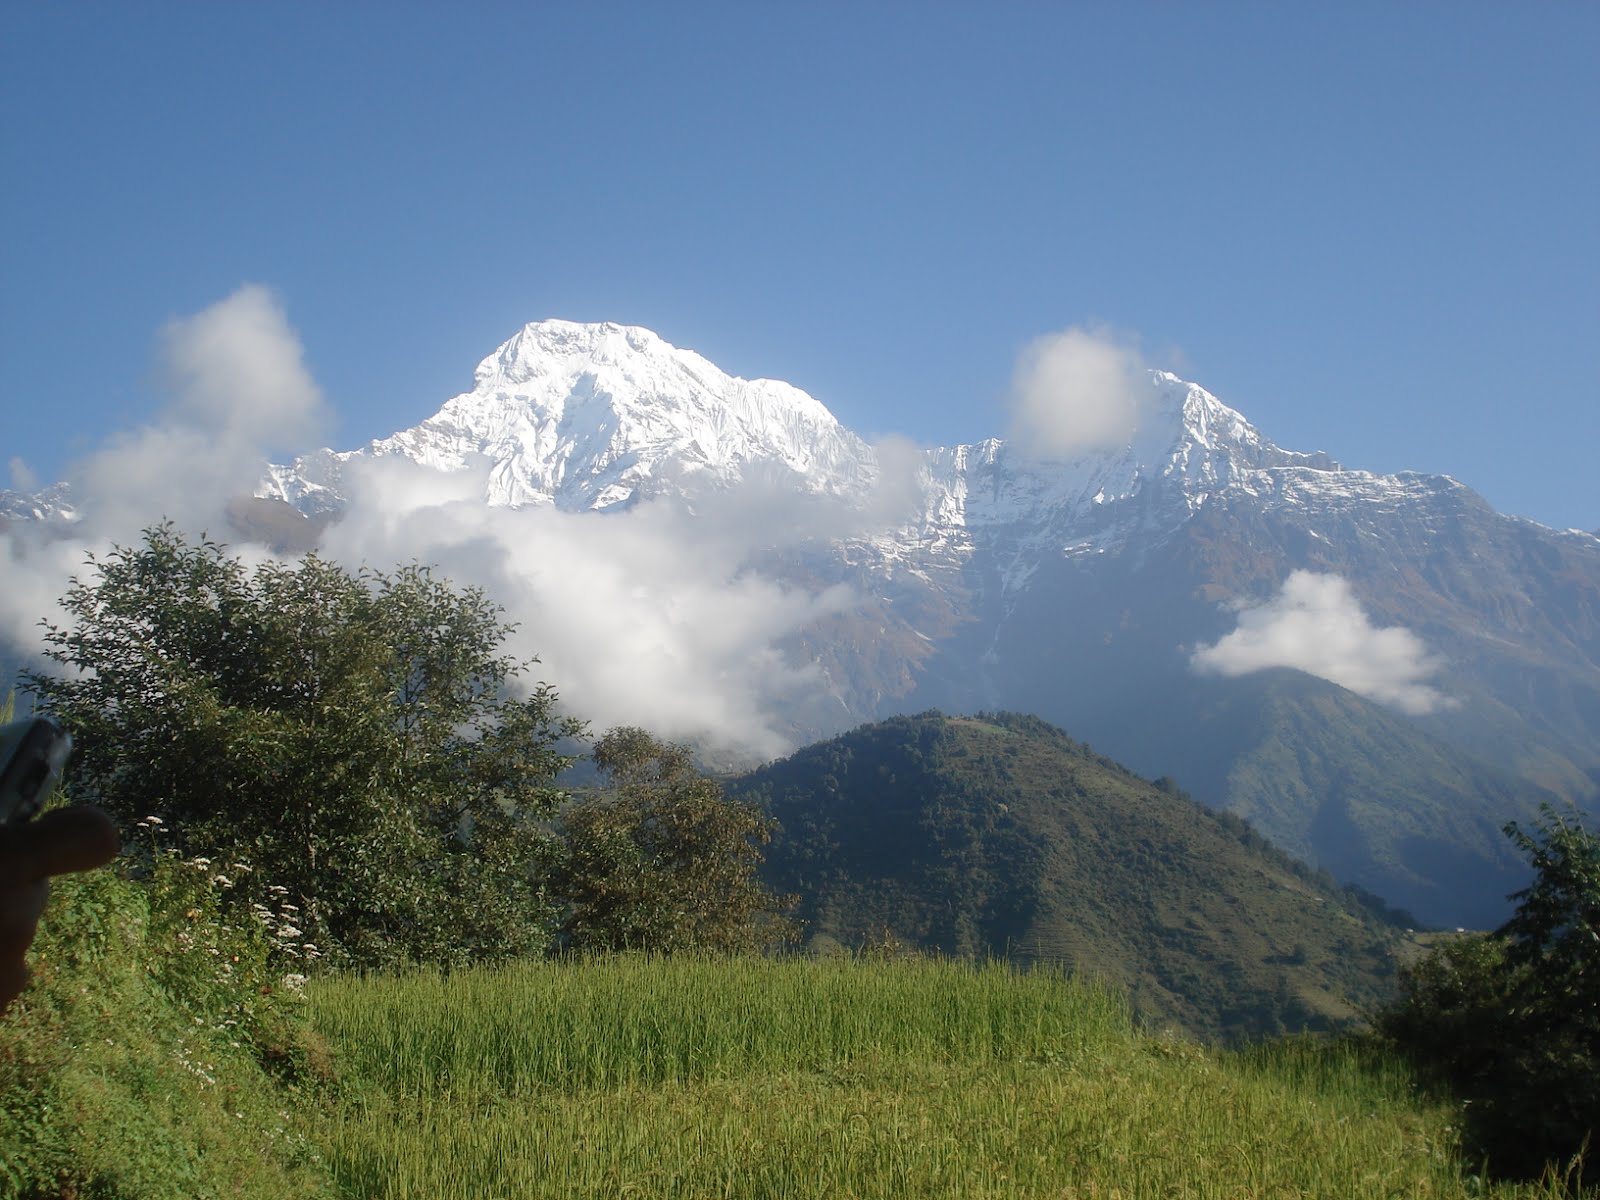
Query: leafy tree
(354, 737)
(1555, 931)
(661, 860)
(1512, 1019)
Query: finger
(68, 839)
(21, 907)
(13, 978)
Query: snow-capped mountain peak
(1186, 419)
(600, 415)
(1186, 446)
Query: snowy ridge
(1188, 447)
(54, 503)
(598, 416)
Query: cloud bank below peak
(1315, 624)
(648, 616)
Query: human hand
(65, 840)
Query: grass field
(839, 1078)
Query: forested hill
(1001, 835)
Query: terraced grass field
(843, 1078)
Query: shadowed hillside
(1003, 836)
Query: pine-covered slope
(1002, 836)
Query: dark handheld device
(32, 753)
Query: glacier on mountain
(591, 417)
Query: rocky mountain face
(595, 417)
(1079, 589)
(986, 577)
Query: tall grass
(132, 1068)
(622, 1020)
(793, 1078)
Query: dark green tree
(1555, 931)
(660, 860)
(362, 740)
(1511, 1020)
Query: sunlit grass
(794, 1078)
(130, 1068)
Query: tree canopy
(1511, 1019)
(361, 739)
(659, 859)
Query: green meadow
(157, 1055)
(843, 1078)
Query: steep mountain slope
(1001, 835)
(1361, 790)
(600, 416)
(1078, 588)
(1102, 644)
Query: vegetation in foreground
(1510, 1021)
(161, 1053)
(166, 1050)
(160, 1050)
(1002, 836)
(820, 1078)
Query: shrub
(362, 739)
(1511, 1020)
(161, 1048)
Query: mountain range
(1377, 671)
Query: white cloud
(36, 571)
(649, 616)
(239, 391)
(1075, 391)
(22, 476)
(898, 493)
(1315, 624)
(644, 617)
(236, 372)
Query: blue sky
(1371, 228)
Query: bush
(661, 860)
(161, 1048)
(361, 739)
(1511, 1020)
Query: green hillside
(1352, 787)
(1003, 836)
